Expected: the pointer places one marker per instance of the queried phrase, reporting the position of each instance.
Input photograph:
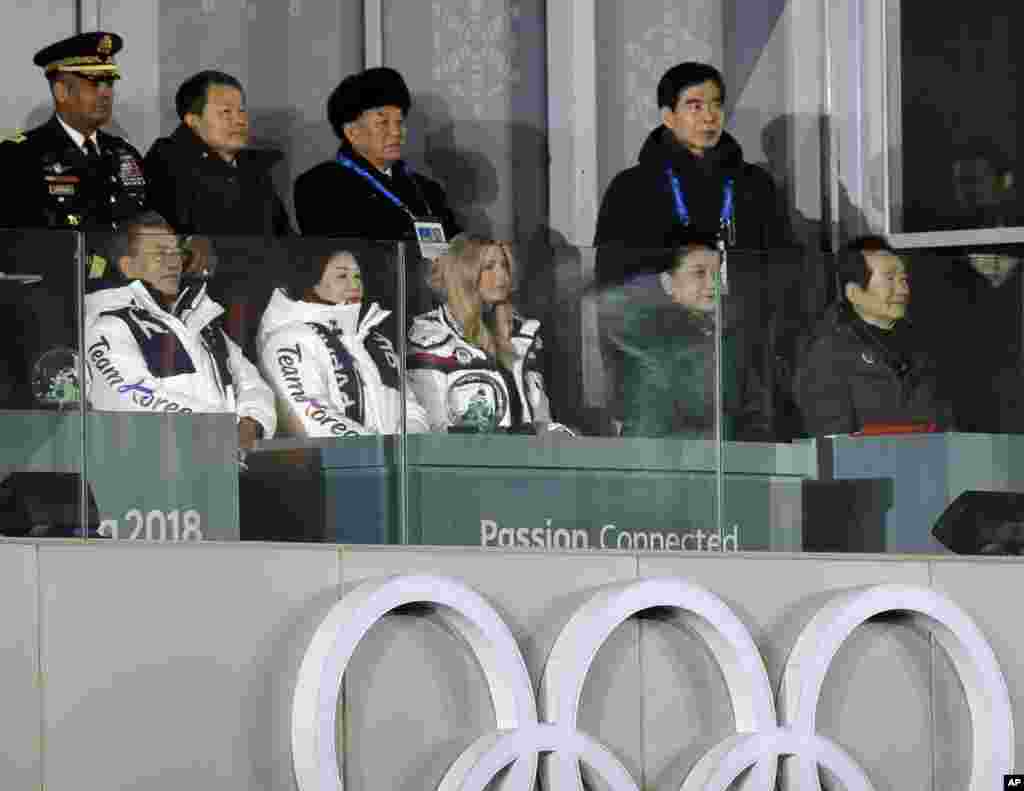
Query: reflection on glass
(969, 306)
(996, 268)
(41, 484)
(959, 165)
(661, 328)
(55, 378)
(911, 340)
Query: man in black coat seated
(691, 177)
(206, 181)
(367, 191)
(865, 366)
(203, 178)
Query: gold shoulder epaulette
(12, 136)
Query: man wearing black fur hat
(691, 177)
(69, 173)
(367, 191)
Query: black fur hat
(357, 93)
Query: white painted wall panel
(173, 665)
(535, 595)
(992, 595)
(31, 25)
(20, 758)
(174, 668)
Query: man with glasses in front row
(661, 346)
(154, 341)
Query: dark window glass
(960, 132)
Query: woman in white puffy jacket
(335, 373)
(474, 362)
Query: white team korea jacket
(143, 358)
(334, 373)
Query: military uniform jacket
(50, 183)
(143, 358)
(334, 371)
(460, 385)
(332, 200)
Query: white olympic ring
(761, 737)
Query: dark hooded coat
(638, 210)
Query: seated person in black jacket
(203, 179)
(865, 365)
(367, 191)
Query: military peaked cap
(89, 54)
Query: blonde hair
(455, 278)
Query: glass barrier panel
(900, 403)
(327, 334)
(43, 493)
(491, 364)
(227, 387)
(770, 301)
(548, 429)
(164, 379)
(691, 402)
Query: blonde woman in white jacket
(474, 361)
(334, 371)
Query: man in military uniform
(68, 173)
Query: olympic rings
(762, 735)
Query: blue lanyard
(725, 219)
(348, 163)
